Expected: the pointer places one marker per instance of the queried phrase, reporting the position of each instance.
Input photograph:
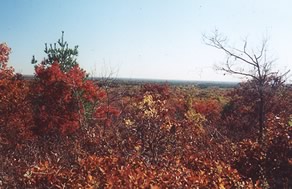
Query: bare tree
(252, 64)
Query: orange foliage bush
(134, 172)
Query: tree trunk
(261, 114)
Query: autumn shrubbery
(268, 162)
(15, 110)
(61, 130)
(265, 161)
(62, 101)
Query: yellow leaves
(148, 99)
(128, 122)
(151, 113)
(196, 119)
(191, 115)
(148, 106)
(138, 147)
(221, 186)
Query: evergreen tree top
(60, 51)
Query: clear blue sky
(159, 39)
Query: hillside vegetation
(62, 130)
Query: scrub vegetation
(60, 129)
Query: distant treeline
(200, 84)
(133, 81)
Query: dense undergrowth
(61, 130)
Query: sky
(151, 39)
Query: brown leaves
(158, 136)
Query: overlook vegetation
(62, 130)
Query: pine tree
(60, 52)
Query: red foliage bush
(15, 110)
(266, 160)
(60, 99)
(210, 108)
(4, 54)
(240, 115)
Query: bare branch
(263, 48)
(247, 54)
(230, 70)
(217, 42)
